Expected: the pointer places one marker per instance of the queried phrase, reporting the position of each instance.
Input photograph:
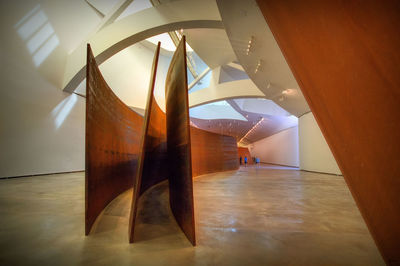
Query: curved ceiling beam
(138, 27)
(264, 62)
(223, 91)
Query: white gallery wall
(42, 129)
(281, 148)
(314, 152)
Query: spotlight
(258, 66)
(249, 45)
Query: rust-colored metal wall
(112, 144)
(242, 151)
(212, 152)
(152, 166)
(178, 143)
(123, 149)
(345, 57)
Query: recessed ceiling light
(258, 66)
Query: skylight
(166, 42)
(216, 110)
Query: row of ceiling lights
(258, 67)
(251, 130)
(230, 126)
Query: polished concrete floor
(254, 216)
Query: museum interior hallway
(254, 216)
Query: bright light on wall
(37, 40)
(30, 23)
(35, 29)
(46, 50)
(62, 110)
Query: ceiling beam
(199, 78)
(137, 27)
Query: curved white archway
(223, 91)
(137, 27)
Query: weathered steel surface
(212, 152)
(178, 143)
(152, 166)
(122, 149)
(345, 57)
(112, 144)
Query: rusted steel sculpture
(120, 152)
(345, 57)
(112, 144)
(178, 143)
(212, 152)
(152, 166)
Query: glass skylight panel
(216, 110)
(203, 83)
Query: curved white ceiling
(264, 63)
(137, 27)
(212, 46)
(274, 79)
(216, 110)
(261, 106)
(227, 90)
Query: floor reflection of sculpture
(125, 150)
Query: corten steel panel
(345, 57)
(155, 162)
(112, 144)
(152, 165)
(178, 143)
(242, 151)
(212, 152)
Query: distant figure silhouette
(240, 160)
(245, 161)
